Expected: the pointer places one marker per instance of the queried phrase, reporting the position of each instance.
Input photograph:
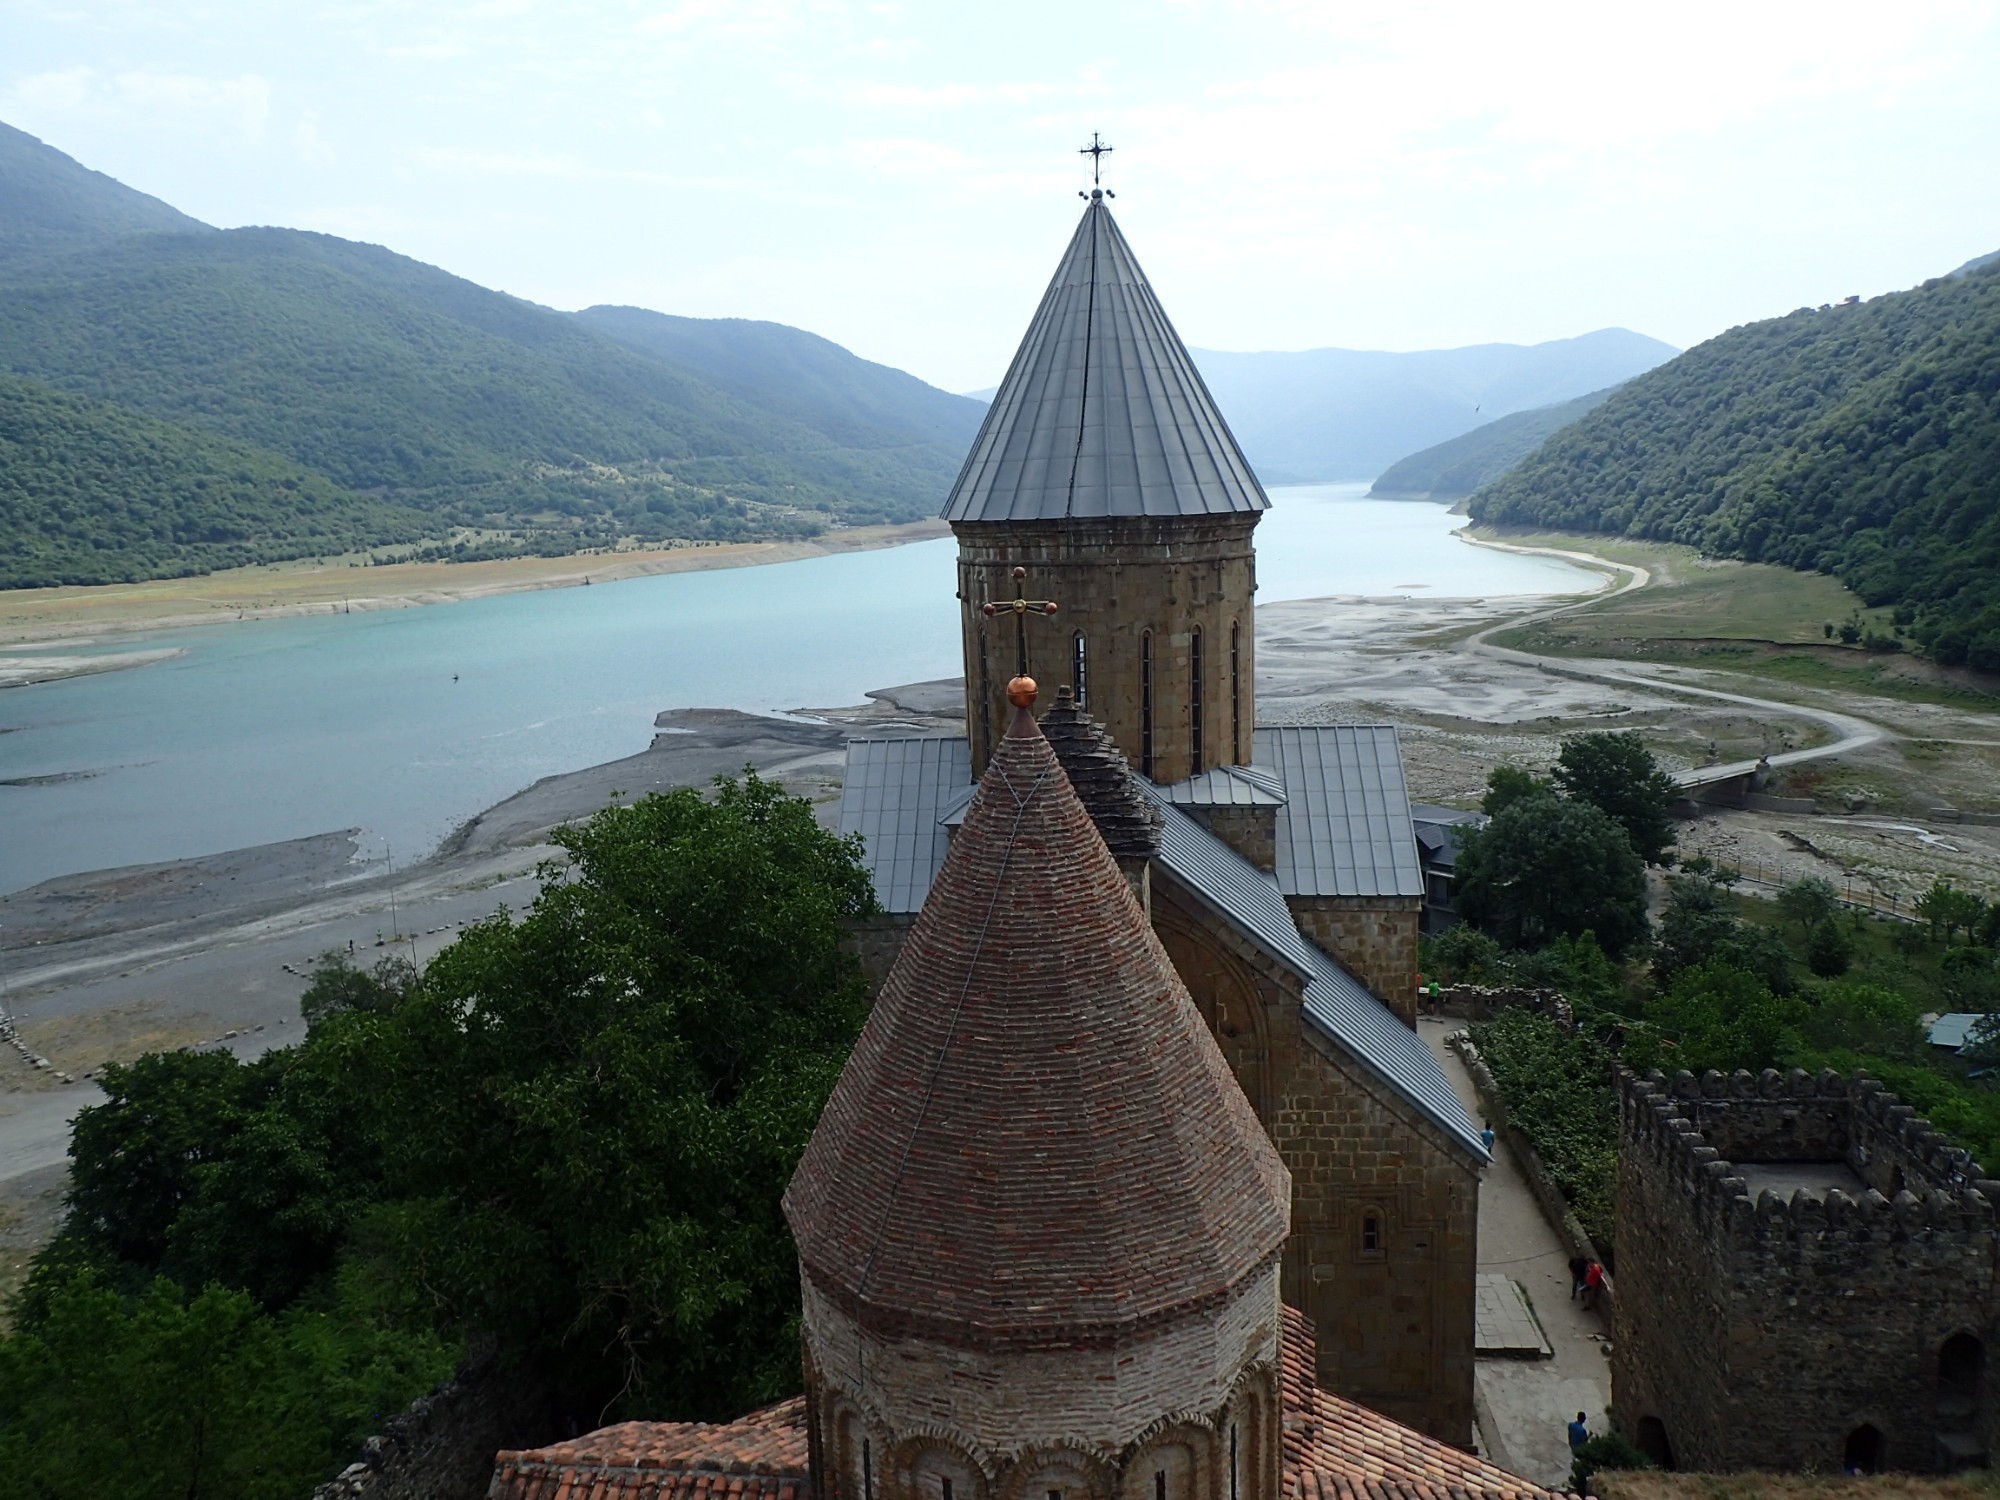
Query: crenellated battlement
(1916, 1183)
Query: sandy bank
(72, 615)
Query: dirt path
(1851, 733)
(1524, 1405)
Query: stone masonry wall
(1395, 1318)
(1251, 831)
(1115, 581)
(442, 1447)
(1394, 1309)
(877, 941)
(1761, 1334)
(1375, 939)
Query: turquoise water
(406, 722)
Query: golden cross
(1020, 607)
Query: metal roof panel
(1102, 412)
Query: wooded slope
(1860, 440)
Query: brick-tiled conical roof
(1036, 1140)
(1102, 412)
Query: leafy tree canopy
(597, 1106)
(1860, 440)
(1549, 867)
(1617, 774)
(567, 1139)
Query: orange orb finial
(1021, 692)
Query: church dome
(1036, 1142)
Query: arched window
(1146, 705)
(1371, 1233)
(1194, 700)
(1236, 690)
(1079, 672)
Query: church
(1278, 864)
(1139, 1184)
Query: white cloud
(145, 100)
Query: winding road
(1851, 733)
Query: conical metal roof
(1036, 1141)
(1102, 412)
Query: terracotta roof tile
(1036, 1138)
(1336, 1449)
(758, 1457)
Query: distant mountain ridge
(423, 394)
(1346, 414)
(1452, 470)
(49, 200)
(1861, 440)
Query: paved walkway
(1525, 1405)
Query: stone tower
(1106, 471)
(1038, 1224)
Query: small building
(1439, 831)
(1806, 1279)
(1950, 1033)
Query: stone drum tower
(1039, 1224)
(1106, 471)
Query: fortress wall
(1760, 1333)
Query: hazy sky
(901, 178)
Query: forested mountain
(386, 377)
(1861, 440)
(801, 376)
(180, 501)
(49, 201)
(1453, 469)
(1334, 414)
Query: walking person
(1486, 1135)
(1593, 1286)
(1579, 1432)
(1578, 1266)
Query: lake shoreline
(39, 620)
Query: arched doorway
(1652, 1440)
(1862, 1453)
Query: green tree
(1949, 910)
(1615, 773)
(338, 986)
(1549, 867)
(1829, 950)
(595, 1108)
(1700, 926)
(1721, 1017)
(155, 1400)
(1865, 1018)
(1809, 901)
(1506, 785)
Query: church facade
(1277, 865)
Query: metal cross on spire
(1096, 151)
(1020, 607)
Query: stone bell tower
(1039, 1224)
(1105, 470)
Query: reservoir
(404, 723)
